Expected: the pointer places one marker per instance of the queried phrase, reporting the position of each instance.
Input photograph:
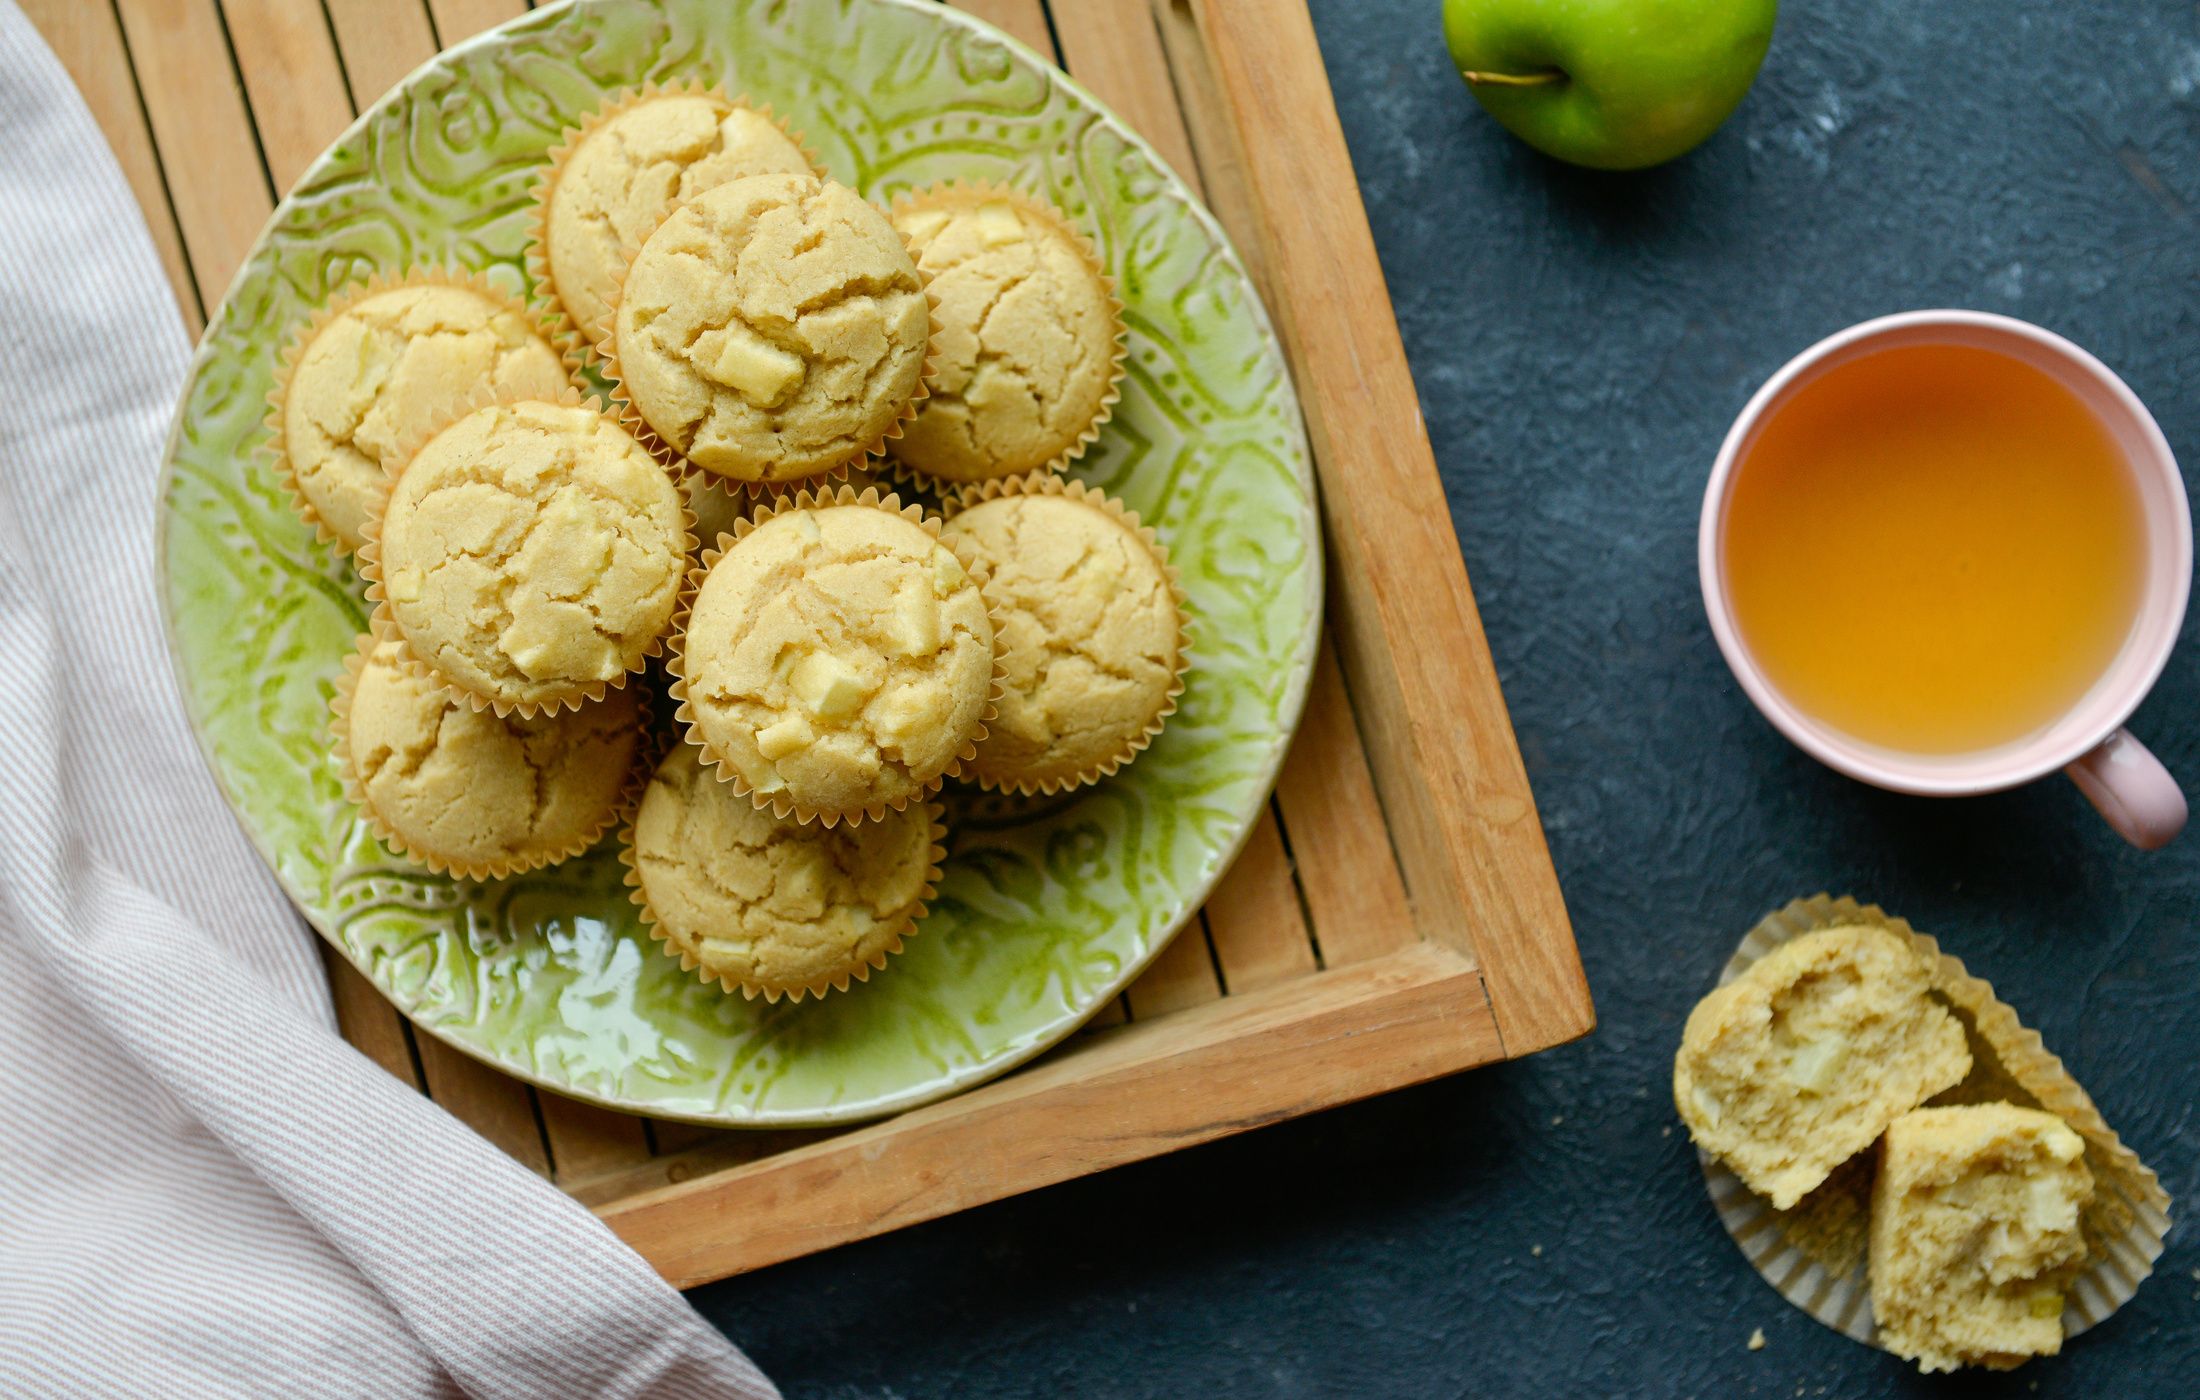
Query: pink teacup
(2127, 784)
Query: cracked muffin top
(626, 173)
(766, 903)
(772, 328)
(465, 789)
(1090, 638)
(1027, 342)
(532, 552)
(368, 378)
(838, 660)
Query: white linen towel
(203, 1190)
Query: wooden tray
(1395, 916)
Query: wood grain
(1023, 19)
(1182, 976)
(381, 41)
(1253, 917)
(497, 1106)
(1112, 47)
(587, 1142)
(1340, 843)
(201, 133)
(1213, 139)
(88, 41)
(1234, 1064)
(367, 1020)
(1409, 636)
(291, 76)
(463, 19)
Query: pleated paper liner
(370, 559)
(576, 340)
(310, 330)
(674, 455)
(958, 195)
(1814, 1254)
(1044, 483)
(682, 944)
(639, 766)
(779, 804)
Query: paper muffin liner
(309, 330)
(1044, 483)
(639, 767)
(936, 857)
(958, 192)
(453, 409)
(579, 350)
(1815, 1253)
(780, 805)
(634, 421)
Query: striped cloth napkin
(203, 1190)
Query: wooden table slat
(88, 41)
(463, 19)
(202, 134)
(292, 81)
(380, 41)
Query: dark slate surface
(1581, 343)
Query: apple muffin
(769, 905)
(1802, 1061)
(838, 659)
(465, 790)
(530, 554)
(1975, 1235)
(368, 376)
(1030, 335)
(1091, 633)
(773, 328)
(628, 167)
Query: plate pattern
(1047, 908)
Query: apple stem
(1538, 79)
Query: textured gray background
(1581, 343)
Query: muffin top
(463, 788)
(370, 376)
(1027, 336)
(764, 902)
(838, 660)
(1089, 637)
(634, 168)
(531, 552)
(772, 328)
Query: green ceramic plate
(1046, 911)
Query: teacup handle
(2131, 788)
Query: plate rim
(1297, 687)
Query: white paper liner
(2125, 1225)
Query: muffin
(765, 904)
(632, 163)
(530, 554)
(1030, 335)
(838, 658)
(364, 377)
(773, 328)
(1091, 632)
(1802, 1061)
(1974, 1234)
(467, 791)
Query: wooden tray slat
(1023, 19)
(202, 134)
(495, 1105)
(1409, 636)
(463, 19)
(587, 1142)
(292, 79)
(1182, 976)
(88, 41)
(1112, 47)
(368, 1021)
(1414, 1015)
(1254, 921)
(380, 41)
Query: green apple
(1614, 84)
